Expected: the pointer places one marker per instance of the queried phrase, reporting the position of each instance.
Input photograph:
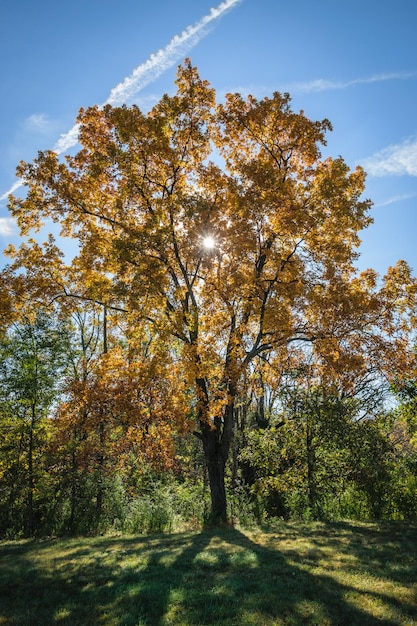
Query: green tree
(402, 430)
(31, 359)
(323, 455)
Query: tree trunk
(310, 454)
(216, 435)
(217, 439)
(100, 477)
(216, 462)
(73, 489)
(30, 480)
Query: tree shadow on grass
(216, 577)
(227, 578)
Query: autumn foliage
(276, 288)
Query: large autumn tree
(220, 230)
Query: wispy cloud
(396, 199)
(147, 72)
(395, 160)
(317, 85)
(38, 123)
(322, 84)
(7, 226)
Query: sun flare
(209, 242)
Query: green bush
(148, 514)
(190, 503)
(403, 501)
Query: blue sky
(354, 63)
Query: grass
(349, 574)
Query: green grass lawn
(324, 574)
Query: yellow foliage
(140, 197)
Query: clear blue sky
(354, 63)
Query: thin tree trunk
(73, 489)
(101, 454)
(310, 454)
(100, 472)
(30, 480)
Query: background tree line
(210, 350)
(92, 441)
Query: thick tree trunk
(216, 461)
(217, 439)
(216, 435)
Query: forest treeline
(207, 350)
(92, 442)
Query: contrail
(165, 58)
(147, 73)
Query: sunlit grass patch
(295, 574)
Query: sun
(209, 242)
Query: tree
(402, 428)
(31, 357)
(219, 230)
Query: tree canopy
(215, 234)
